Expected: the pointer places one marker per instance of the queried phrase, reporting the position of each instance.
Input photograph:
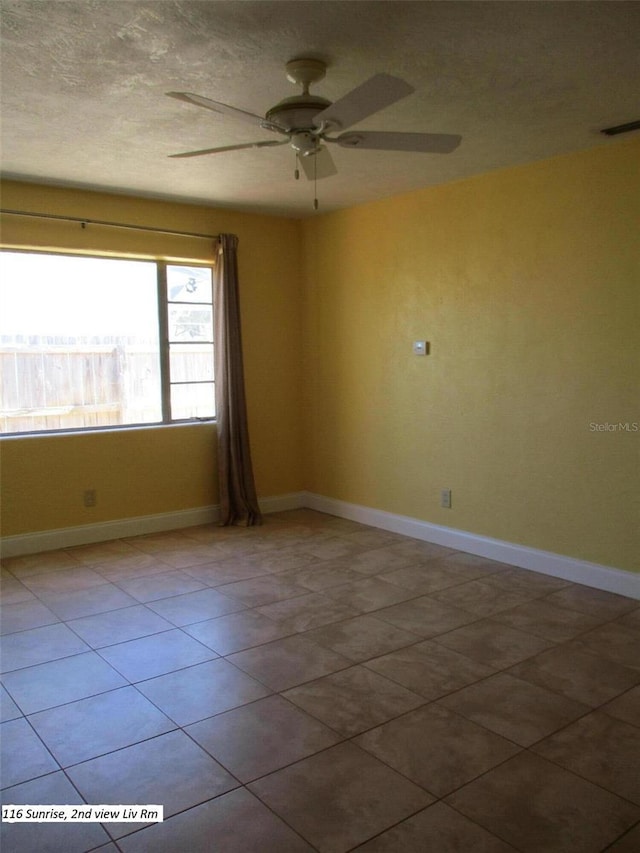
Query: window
(90, 342)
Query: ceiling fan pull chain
(315, 181)
(297, 170)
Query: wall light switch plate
(420, 347)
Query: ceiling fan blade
(318, 165)
(374, 94)
(428, 143)
(267, 144)
(225, 109)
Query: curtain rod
(84, 222)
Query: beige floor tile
(543, 619)
(226, 571)
(54, 789)
(378, 560)
(599, 748)
(88, 602)
(578, 675)
(263, 590)
(429, 669)
(362, 638)
(436, 829)
(625, 707)
(631, 619)
(288, 662)
(157, 654)
(154, 587)
(85, 729)
(185, 558)
(594, 601)
(135, 565)
(170, 770)
(482, 597)
(425, 616)
(182, 610)
(200, 691)
(399, 689)
(353, 700)
(541, 808)
(475, 566)
(340, 797)
(24, 756)
(437, 748)
(37, 564)
(237, 631)
(236, 822)
(628, 843)
(24, 615)
(66, 580)
(418, 550)
(426, 577)
(8, 708)
(38, 645)
(261, 737)
(369, 594)
(307, 611)
(102, 553)
(520, 711)
(331, 548)
(13, 591)
(60, 681)
(528, 581)
(118, 626)
(614, 642)
(323, 575)
(493, 644)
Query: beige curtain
(238, 500)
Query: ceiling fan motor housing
(297, 113)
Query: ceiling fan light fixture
(305, 143)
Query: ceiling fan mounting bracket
(304, 72)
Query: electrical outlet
(90, 497)
(445, 498)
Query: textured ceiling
(83, 85)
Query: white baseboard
(85, 534)
(546, 562)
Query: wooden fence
(60, 386)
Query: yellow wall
(526, 284)
(166, 469)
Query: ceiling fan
(305, 121)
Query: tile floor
(317, 685)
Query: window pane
(193, 401)
(78, 342)
(191, 362)
(190, 323)
(188, 284)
